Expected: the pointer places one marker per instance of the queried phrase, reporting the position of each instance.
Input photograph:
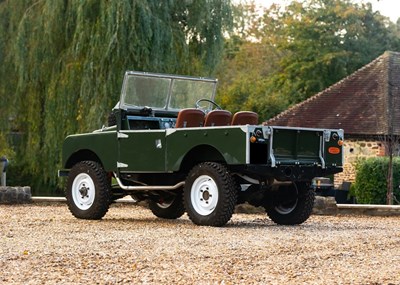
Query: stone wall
(354, 150)
(15, 195)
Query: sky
(389, 8)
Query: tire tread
(103, 196)
(302, 211)
(227, 197)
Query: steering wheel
(217, 107)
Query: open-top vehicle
(168, 142)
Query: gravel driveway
(44, 244)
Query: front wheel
(210, 194)
(88, 191)
(292, 204)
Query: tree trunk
(389, 193)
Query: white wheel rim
(204, 195)
(83, 191)
(287, 208)
(165, 205)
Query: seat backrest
(245, 118)
(218, 118)
(190, 118)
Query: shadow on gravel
(147, 221)
(316, 223)
(311, 226)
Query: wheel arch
(201, 153)
(81, 155)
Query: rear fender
(200, 154)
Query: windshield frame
(169, 91)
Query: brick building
(365, 104)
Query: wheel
(210, 194)
(169, 207)
(292, 205)
(88, 191)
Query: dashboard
(150, 123)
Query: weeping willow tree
(62, 63)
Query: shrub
(371, 180)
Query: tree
(249, 61)
(392, 139)
(303, 49)
(325, 40)
(63, 63)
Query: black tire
(168, 208)
(292, 205)
(210, 194)
(88, 191)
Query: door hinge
(122, 135)
(121, 165)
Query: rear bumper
(288, 172)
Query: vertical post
(3, 168)
(3, 179)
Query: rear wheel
(210, 194)
(88, 191)
(170, 207)
(292, 204)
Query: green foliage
(288, 55)
(62, 63)
(244, 83)
(371, 180)
(5, 149)
(325, 40)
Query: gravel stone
(44, 244)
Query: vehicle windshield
(165, 92)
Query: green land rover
(169, 143)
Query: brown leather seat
(218, 118)
(190, 118)
(245, 118)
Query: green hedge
(371, 186)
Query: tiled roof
(366, 102)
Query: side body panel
(158, 150)
(142, 151)
(230, 142)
